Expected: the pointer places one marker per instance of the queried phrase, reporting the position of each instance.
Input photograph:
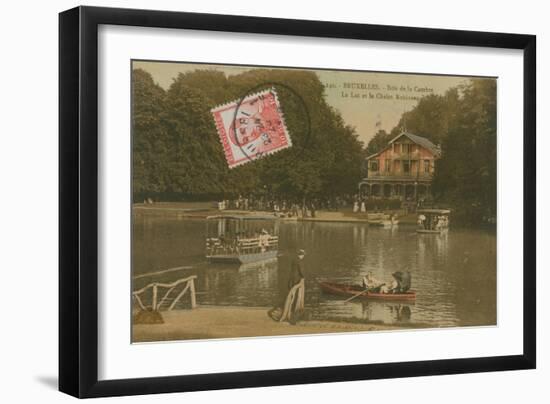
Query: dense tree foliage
(378, 142)
(178, 155)
(463, 122)
(149, 140)
(432, 116)
(466, 176)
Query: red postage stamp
(251, 128)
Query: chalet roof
(422, 141)
(419, 140)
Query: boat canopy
(240, 226)
(434, 211)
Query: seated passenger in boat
(263, 240)
(221, 244)
(401, 282)
(421, 222)
(371, 283)
(392, 287)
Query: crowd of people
(241, 242)
(304, 208)
(281, 206)
(432, 223)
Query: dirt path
(206, 322)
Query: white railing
(214, 246)
(156, 305)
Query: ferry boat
(241, 239)
(432, 221)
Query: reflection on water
(454, 274)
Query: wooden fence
(166, 302)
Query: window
(374, 165)
(387, 165)
(405, 148)
(426, 166)
(406, 166)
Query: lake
(454, 274)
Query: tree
(324, 160)
(467, 173)
(463, 122)
(195, 158)
(378, 142)
(431, 117)
(149, 138)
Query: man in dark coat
(295, 276)
(296, 270)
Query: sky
(367, 101)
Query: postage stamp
(251, 128)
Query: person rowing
(400, 284)
(370, 283)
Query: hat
(397, 275)
(301, 252)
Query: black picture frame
(78, 201)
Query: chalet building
(402, 170)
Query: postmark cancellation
(251, 128)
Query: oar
(358, 294)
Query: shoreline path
(208, 322)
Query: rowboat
(347, 290)
(386, 224)
(426, 231)
(382, 220)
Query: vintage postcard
(273, 201)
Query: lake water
(454, 274)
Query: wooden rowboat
(347, 290)
(426, 231)
(383, 223)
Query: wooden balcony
(398, 176)
(405, 156)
